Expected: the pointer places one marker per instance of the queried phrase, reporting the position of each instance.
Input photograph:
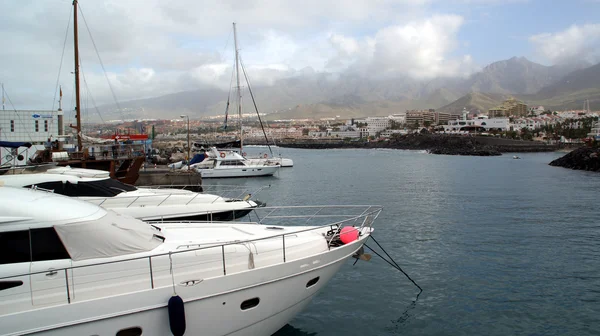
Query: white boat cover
(110, 236)
(81, 172)
(89, 139)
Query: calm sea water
(500, 246)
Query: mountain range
(313, 94)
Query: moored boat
(72, 268)
(219, 164)
(142, 203)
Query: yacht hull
(282, 162)
(212, 306)
(238, 172)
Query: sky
(150, 48)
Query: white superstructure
(71, 268)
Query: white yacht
(231, 164)
(71, 268)
(265, 158)
(141, 203)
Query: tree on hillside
(526, 134)
(394, 125)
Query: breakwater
(434, 143)
(584, 158)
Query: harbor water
(500, 246)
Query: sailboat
(122, 161)
(264, 158)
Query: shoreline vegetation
(433, 143)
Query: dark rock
(584, 158)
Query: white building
(377, 124)
(389, 133)
(595, 132)
(36, 127)
(490, 124)
(398, 118)
(344, 134)
(529, 123)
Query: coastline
(433, 143)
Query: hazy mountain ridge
(314, 94)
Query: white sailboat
(271, 159)
(71, 268)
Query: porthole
(133, 331)
(312, 282)
(248, 304)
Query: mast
(2, 96)
(77, 97)
(239, 89)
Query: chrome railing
(187, 263)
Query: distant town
(513, 119)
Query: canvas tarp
(110, 236)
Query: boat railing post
(223, 255)
(164, 199)
(193, 199)
(67, 283)
(133, 201)
(283, 241)
(151, 275)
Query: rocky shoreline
(433, 143)
(584, 158)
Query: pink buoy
(348, 234)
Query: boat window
(56, 186)
(14, 247)
(99, 188)
(10, 284)
(133, 331)
(251, 303)
(312, 282)
(45, 245)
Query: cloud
(578, 42)
(155, 47)
(418, 49)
